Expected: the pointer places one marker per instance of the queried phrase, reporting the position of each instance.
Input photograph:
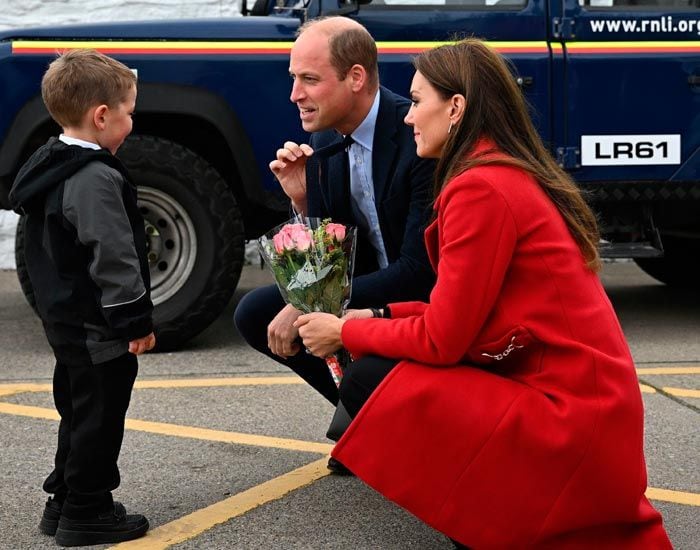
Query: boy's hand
(138, 346)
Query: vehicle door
(516, 28)
(632, 88)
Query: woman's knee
(360, 380)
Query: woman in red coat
(505, 412)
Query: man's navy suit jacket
(403, 195)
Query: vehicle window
(452, 3)
(646, 4)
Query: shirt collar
(80, 142)
(364, 133)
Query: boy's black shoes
(49, 520)
(112, 526)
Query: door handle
(524, 81)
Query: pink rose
(292, 236)
(336, 230)
(278, 241)
(302, 239)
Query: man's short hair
(81, 79)
(348, 47)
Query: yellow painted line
(185, 431)
(196, 523)
(9, 389)
(216, 382)
(682, 392)
(677, 497)
(227, 437)
(26, 410)
(646, 389)
(646, 371)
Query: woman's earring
(450, 127)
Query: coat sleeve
(96, 210)
(410, 275)
(477, 240)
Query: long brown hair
(496, 109)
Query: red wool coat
(515, 419)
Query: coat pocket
(512, 344)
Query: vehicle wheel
(22, 273)
(194, 232)
(680, 265)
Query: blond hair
(81, 79)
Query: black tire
(195, 233)
(680, 265)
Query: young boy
(85, 251)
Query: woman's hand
(320, 333)
(358, 314)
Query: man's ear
(99, 116)
(358, 77)
(458, 104)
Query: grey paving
(169, 477)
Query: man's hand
(138, 346)
(290, 170)
(281, 332)
(321, 333)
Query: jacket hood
(49, 166)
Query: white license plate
(630, 150)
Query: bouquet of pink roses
(312, 261)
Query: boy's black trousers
(92, 402)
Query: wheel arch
(186, 115)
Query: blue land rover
(614, 87)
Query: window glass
(648, 4)
(451, 3)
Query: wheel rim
(171, 241)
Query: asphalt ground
(226, 449)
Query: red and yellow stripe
(646, 47)
(137, 47)
(141, 47)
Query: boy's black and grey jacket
(85, 251)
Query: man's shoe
(337, 468)
(105, 528)
(50, 517)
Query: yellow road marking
(682, 392)
(677, 497)
(26, 410)
(196, 523)
(646, 389)
(667, 370)
(9, 389)
(213, 382)
(228, 437)
(186, 431)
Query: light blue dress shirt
(361, 182)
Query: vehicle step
(630, 250)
